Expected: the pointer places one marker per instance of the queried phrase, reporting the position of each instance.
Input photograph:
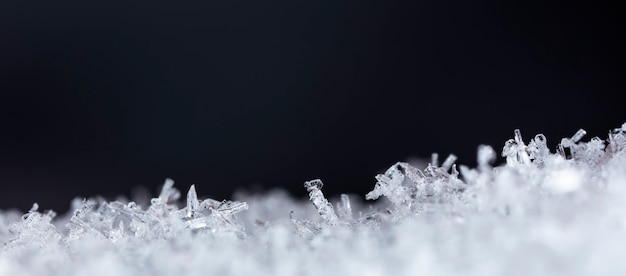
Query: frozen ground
(542, 213)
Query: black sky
(101, 98)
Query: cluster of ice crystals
(409, 189)
(541, 213)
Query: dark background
(98, 98)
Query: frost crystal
(515, 150)
(193, 205)
(541, 213)
(322, 205)
(486, 156)
(538, 149)
(407, 187)
(344, 209)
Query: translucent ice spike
(344, 210)
(617, 140)
(34, 208)
(515, 150)
(168, 193)
(448, 163)
(579, 135)
(193, 205)
(222, 215)
(324, 208)
(486, 155)
(518, 137)
(199, 223)
(210, 203)
(571, 142)
(434, 159)
(576, 150)
(454, 172)
(231, 207)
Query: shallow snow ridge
(543, 212)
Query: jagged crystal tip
(193, 205)
(324, 208)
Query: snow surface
(542, 213)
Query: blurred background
(100, 98)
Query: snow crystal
(324, 207)
(541, 213)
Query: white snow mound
(542, 213)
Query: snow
(541, 213)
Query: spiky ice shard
(541, 213)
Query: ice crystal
(344, 208)
(322, 205)
(544, 212)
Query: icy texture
(542, 213)
(324, 208)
